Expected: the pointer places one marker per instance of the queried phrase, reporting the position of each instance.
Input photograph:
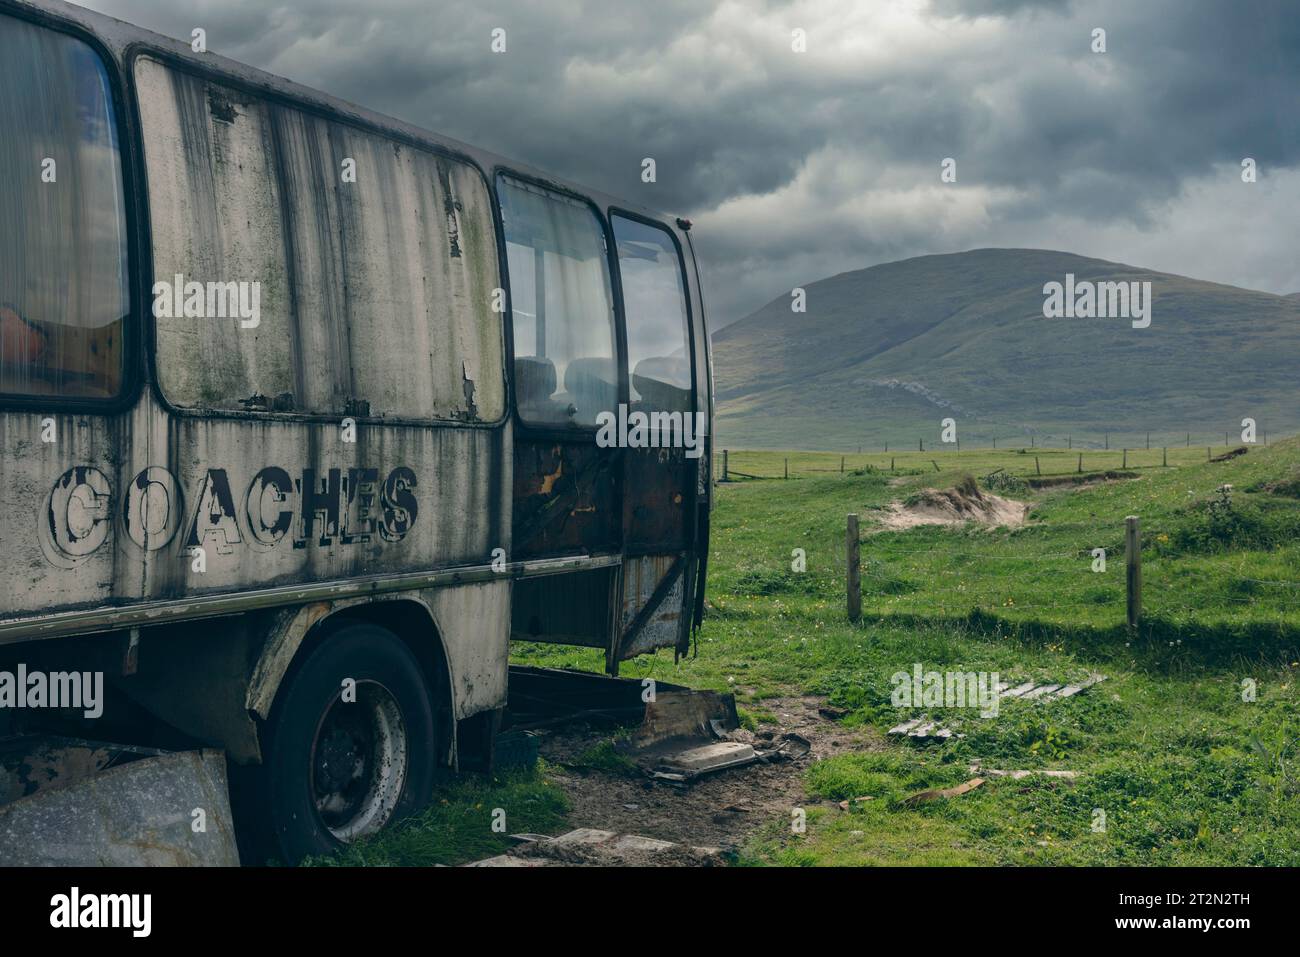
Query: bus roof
(125, 41)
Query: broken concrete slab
(1020, 775)
(635, 842)
(136, 814)
(588, 846)
(507, 860)
(906, 726)
(582, 835)
(712, 757)
(1069, 690)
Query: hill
(884, 354)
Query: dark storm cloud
(999, 8)
(798, 165)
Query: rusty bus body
(182, 504)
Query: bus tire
(349, 748)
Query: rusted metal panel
(654, 592)
(570, 609)
(657, 498)
(565, 497)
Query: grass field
(1185, 766)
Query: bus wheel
(350, 745)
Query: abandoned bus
(301, 416)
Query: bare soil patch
(964, 502)
(716, 810)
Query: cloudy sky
(799, 165)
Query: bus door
(659, 476)
(566, 372)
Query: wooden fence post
(725, 476)
(854, 576)
(1164, 456)
(1125, 465)
(787, 468)
(1037, 468)
(1080, 463)
(1133, 563)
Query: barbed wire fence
(1036, 461)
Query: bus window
(63, 252)
(563, 307)
(654, 301)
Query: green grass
(458, 826)
(1185, 771)
(605, 757)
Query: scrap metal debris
(845, 805)
(926, 728)
(938, 793)
(683, 733)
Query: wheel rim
(359, 762)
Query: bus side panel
(114, 511)
(59, 504)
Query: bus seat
(663, 383)
(535, 382)
(592, 384)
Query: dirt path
(718, 810)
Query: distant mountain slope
(883, 354)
